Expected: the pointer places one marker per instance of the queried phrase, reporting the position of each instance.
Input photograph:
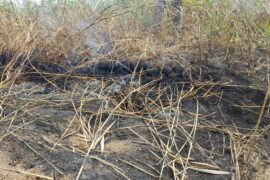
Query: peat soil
(51, 114)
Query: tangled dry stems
(33, 37)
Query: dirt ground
(47, 127)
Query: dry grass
(63, 33)
(56, 32)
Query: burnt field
(121, 97)
(130, 120)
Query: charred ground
(58, 111)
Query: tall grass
(70, 31)
(236, 29)
(127, 27)
(235, 32)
